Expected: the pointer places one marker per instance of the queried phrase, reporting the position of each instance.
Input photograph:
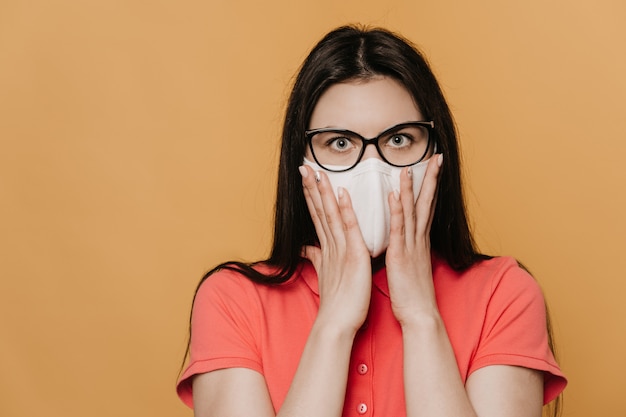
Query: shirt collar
(308, 274)
(379, 278)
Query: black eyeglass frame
(430, 125)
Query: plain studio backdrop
(138, 148)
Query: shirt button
(362, 369)
(362, 408)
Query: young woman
(374, 300)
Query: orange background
(138, 145)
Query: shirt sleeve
(515, 331)
(223, 329)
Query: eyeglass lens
(404, 146)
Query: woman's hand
(409, 269)
(342, 261)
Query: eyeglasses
(340, 150)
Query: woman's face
(367, 107)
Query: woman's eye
(340, 144)
(398, 140)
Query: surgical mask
(369, 184)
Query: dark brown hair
(353, 53)
(350, 53)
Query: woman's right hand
(344, 274)
(342, 261)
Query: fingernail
(317, 176)
(440, 159)
(340, 192)
(396, 195)
(303, 171)
(409, 172)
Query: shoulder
(229, 286)
(227, 306)
(225, 289)
(508, 278)
(229, 280)
(490, 285)
(514, 326)
(512, 298)
(487, 274)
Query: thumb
(313, 254)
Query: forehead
(365, 106)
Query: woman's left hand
(408, 258)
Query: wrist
(333, 329)
(422, 321)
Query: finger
(333, 218)
(397, 237)
(425, 205)
(348, 217)
(314, 203)
(433, 205)
(324, 204)
(407, 200)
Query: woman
(374, 300)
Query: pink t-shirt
(494, 314)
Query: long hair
(353, 53)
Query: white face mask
(369, 184)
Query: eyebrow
(390, 128)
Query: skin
(433, 386)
